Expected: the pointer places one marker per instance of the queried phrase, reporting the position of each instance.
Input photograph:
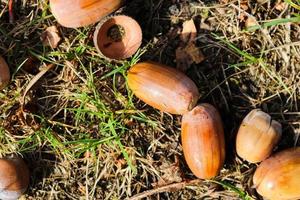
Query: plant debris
(50, 37)
(188, 53)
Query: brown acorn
(14, 178)
(78, 13)
(163, 87)
(118, 38)
(203, 143)
(257, 136)
(278, 177)
(4, 73)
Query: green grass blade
(293, 4)
(123, 150)
(274, 22)
(242, 194)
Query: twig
(10, 11)
(33, 81)
(166, 188)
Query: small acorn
(14, 178)
(118, 38)
(203, 142)
(4, 74)
(278, 177)
(257, 136)
(163, 87)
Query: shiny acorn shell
(163, 87)
(14, 178)
(119, 37)
(257, 136)
(79, 13)
(278, 177)
(4, 73)
(203, 142)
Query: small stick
(10, 11)
(32, 82)
(166, 188)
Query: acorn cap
(118, 37)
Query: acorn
(257, 136)
(278, 177)
(78, 13)
(118, 38)
(163, 87)
(4, 74)
(14, 178)
(203, 142)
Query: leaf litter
(187, 52)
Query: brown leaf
(188, 53)
(280, 6)
(50, 37)
(194, 53)
(251, 21)
(244, 5)
(185, 56)
(189, 31)
(183, 59)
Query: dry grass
(85, 136)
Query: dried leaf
(194, 53)
(50, 37)
(185, 56)
(280, 6)
(183, 60)
(244, 5)
(189, 31)
(251, 21)
(188, 53)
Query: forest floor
(84, 135)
